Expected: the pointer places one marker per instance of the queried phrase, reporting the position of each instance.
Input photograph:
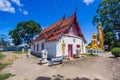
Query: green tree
(108, 13)
(25, 31)
(3, 43)
(110, 38)
(16, 39)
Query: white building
(51, 39)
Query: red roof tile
(55, 37)
(53, 26)
(56, 30)
(59, 31)
(67, 21)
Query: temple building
(63, 37)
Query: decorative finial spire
(64, 15)
(99, 24)
(76, 10)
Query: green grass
(2, 66)
(94, 55)
(1, 56)
(3, 51)
(5, 76)
(19, 52)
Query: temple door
(70, 50)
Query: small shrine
(97, 42)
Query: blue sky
(47, 12)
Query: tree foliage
(3, 42)
(108, 13)
(24, 32)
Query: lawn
(2, 66)
(1, 56)
(5, 76)
(19, 52)
(92, 55)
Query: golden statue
(101, 35)
(63, 47)
(94, 42)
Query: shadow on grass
(61, 77)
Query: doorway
(70, 50)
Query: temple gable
(73, 30)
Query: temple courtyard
(101, 67)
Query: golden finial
(99, 24)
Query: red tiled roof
(59, 31)
(53, 26)
(56, 30)
(67, 21)
(55, 37)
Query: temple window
(34, 47)
(38, 47)
(42, 46)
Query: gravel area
(103, 67)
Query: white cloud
(88, 1)
(25, 12)
(5, 6)
(17, 2)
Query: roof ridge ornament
(76, 10)
(64, 16)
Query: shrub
(116, 52)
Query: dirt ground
(103, 67)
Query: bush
(116, 52)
